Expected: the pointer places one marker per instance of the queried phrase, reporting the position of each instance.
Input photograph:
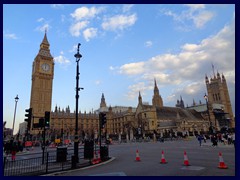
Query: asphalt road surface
(204, 160)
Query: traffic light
(41, 122)
(103, 119)
(29, 117)
(35, 125)
(47, 119)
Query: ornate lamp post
(16, 100)
(76, 140)
(206, 99)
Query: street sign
(57, 140)
(28, 143)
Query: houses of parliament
(149, 119)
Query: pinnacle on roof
(45, 41)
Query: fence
(52, 163)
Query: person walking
(214, 140)
(233, 139)
(200, 139)
(14, 151)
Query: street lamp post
(206, 98)
(77, 56)
(16, 100)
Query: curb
(80, 169)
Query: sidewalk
(79, 169)
(209, 143)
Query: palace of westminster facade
(154, 118)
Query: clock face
(45, 67)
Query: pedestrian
(119, 138)
(233, 139)
(14, 151)
(229, 138)
(200, 140)
(204, 138)
(214, 141)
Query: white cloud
(112, 68)
(76, 28)
(119, 22)
(86, 13)
(196, 6)
(196, 14)
(40, 20)
(43, 28)
(45, 25)
(62, 59)
(74, 49)
(187, 68)
(10, 35)
(193, 88)
(57, 6)
(190, 47)
(135, 89)
(89, 33)
(202, 18)
(97, 82)
(148, 44)
(132, 68)
(127, 7)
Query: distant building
(218, 94)
(22, 128)
(217, 104)
(180, 103)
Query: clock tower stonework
(42, 81)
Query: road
(203, 160)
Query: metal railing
(54, 161)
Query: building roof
(175, 113)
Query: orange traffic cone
(222, 165)
(186, 163)
(99, 157)
(137, 156)
(163, 161)
(94, 160)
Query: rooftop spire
(139, 98)
(45, 41)
(103, 102)
(156, 91)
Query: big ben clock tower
(42, 80)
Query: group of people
(226, 138)
(11, 148)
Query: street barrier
(104, 153)
(88, 149)
(61, 154)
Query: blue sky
(123, 47)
